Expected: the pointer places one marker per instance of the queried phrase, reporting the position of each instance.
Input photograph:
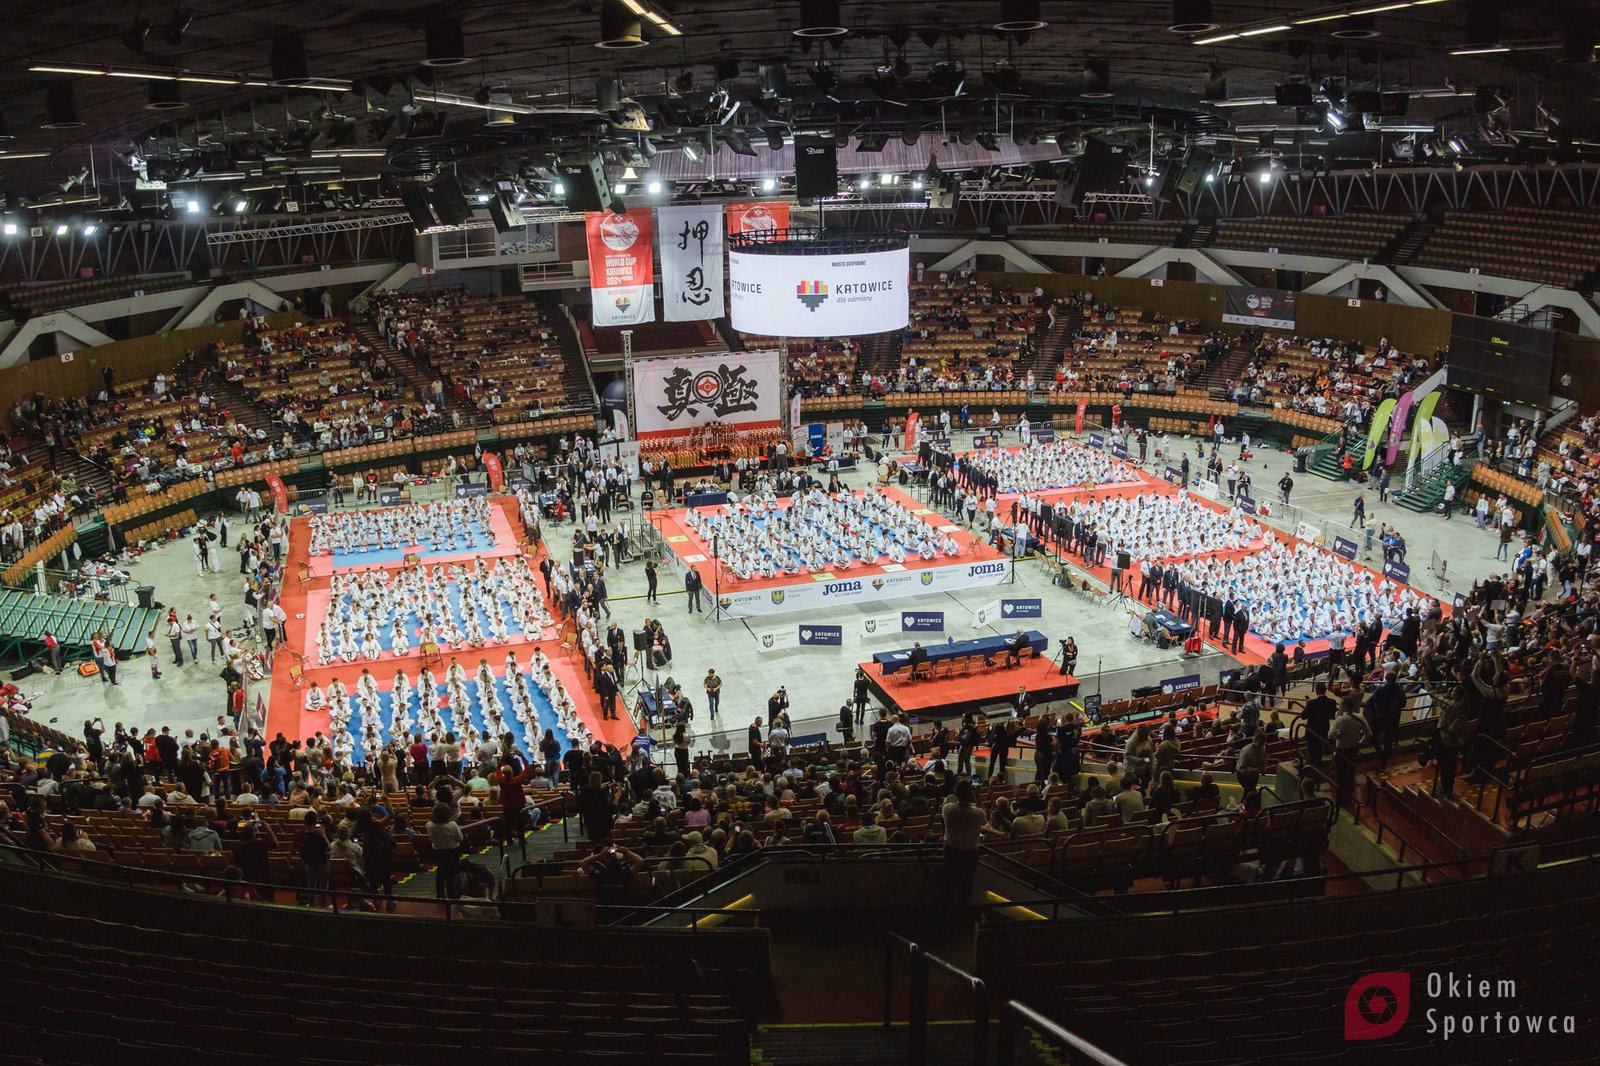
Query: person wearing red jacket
(512, 798)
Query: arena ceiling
(370, 94)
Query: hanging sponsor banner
(1180, 684)
(1077, 422)
(777, 639)
(1399, 571)
(1012, 609)
(880, 625)
(821, 636)
(674, 394)
(757, 220)
(280, 494)
(497, 474)
(794, 411)
(692, 281)
(828, 591)
(621, 268)
(1346, 548)
(911, 431)
(922, 621)
(1268, 308)
(818, 295)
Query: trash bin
(1301, 457)
(147, 594)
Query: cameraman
(1069, 655)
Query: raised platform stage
(984, 686)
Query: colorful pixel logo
(1377, 1005)
(624, 302)
(812, 293)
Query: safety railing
(923, 963)
(1015, 1015)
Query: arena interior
(682, 531)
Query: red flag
(911, 432)
(497, 475)
(1083, 407)
(280, 495)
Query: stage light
(820, 18)
(1266, 177)
(769, 184)
(1192, 16)
(192, 206)
(619, 27)
(483, 198)
(1097, 79)
(447, 45)
(692, 152)
(619, 188)
(240, 206)
(654, 188)
(61, 107)
(290, 65)
(863, 183)
(89, 229)
(1336, 121)
(1019, 16)
(9, 229)
(916, 183)
(61, 229)
(1210, 177)
(558, 188)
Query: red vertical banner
(621, 268)
(1083, 408)
(911, 431)
(754, 220)
(280, 495)
(497, 474)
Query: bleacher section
(650, 337)
(1341, 237)
(1551, 247)
(964, 334)
(30, 300)
(25, 617)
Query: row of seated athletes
(816, 532)
(450, 525)
(416, 606)
(1041, 468)
(453, 713)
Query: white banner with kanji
(693, 279)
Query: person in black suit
(1229, 605)
(1241, 625)
(919, 660)
(1214, 609)
(1410, 633)
(1014, 648)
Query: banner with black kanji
(693, 278)
(677, 395)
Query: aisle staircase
(880, 354)
(1055, 343)
(576, 380)
(1404, 246)
(1218, 373)
(1425, 494)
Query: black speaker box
(1293, 94)
(1366, 101)
(641, 640)
(946, 193)
(416, 201)
(816, 168)
(449, 202)
(585, 182)
(505, 214)
(1103, 166)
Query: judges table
(1170, 622)
(990, 648)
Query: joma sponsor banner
(829, 590)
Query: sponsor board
(1023, 608)
(866, 589)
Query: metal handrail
(921, 962)
(1013, 1013)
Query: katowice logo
(812, 293)
(1377, 1005)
